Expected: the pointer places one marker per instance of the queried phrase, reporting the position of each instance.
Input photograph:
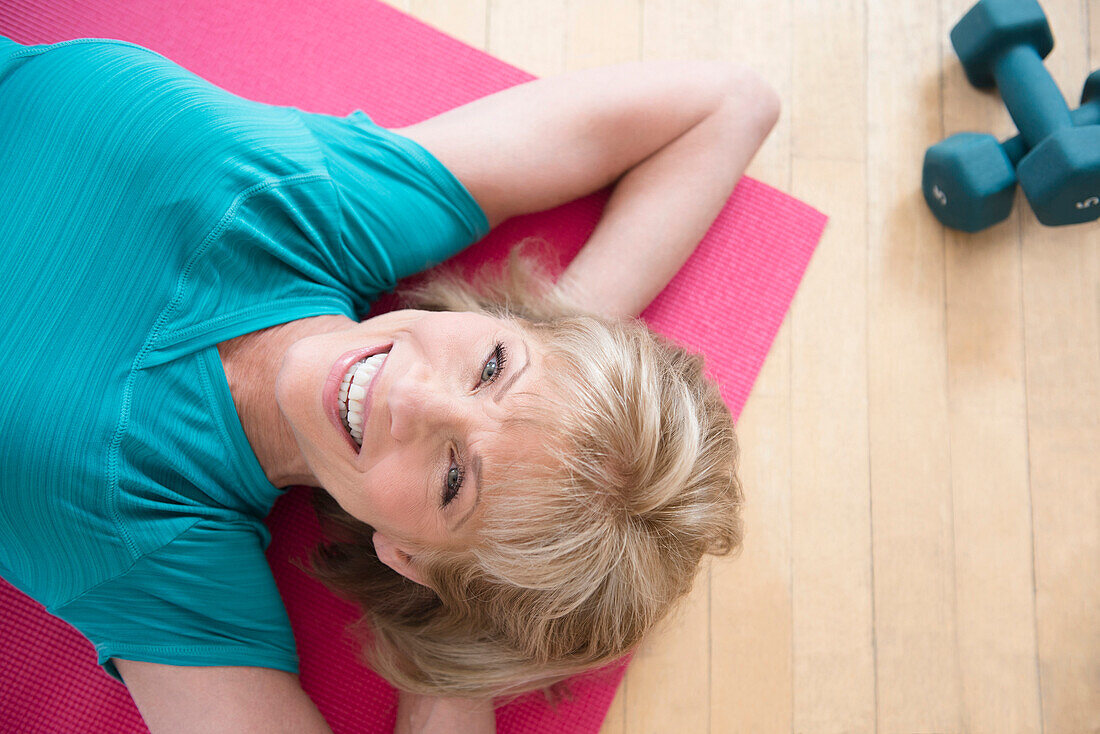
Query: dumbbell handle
(1087, 114)
(1030, 94)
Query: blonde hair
(576, 557)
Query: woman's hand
(418, 714)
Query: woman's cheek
(387, 503)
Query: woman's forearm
(418, 714)
(661, 208)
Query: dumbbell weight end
(968, 181)
(1061, 176)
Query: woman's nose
(418, 402)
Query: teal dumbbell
(1003, 42)
(969, 179)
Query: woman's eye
(453, 484)
(495, 365)
(490, 370)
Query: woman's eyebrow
(515, 375)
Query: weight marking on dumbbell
(940, 196)
(1091, 201)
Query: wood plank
(750, 661)
(917, 667)
(467, 21)
(667, 679)
(1061, 291)
(529, 34)
(988, 432)
(667, 682)
(598, 34)
(834, 669)
(750, 673)
(1061, 287)
(615, 721)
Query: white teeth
(353, 393)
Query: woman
(519, 479)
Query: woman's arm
(176, 699)
(662, 207)
(674, 136)
(431, 715)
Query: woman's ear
(396, 558)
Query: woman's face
(432, 417)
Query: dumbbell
(969, 179)
(1003, 42)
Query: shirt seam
(322, 152)
(211, 237)
(186, 333)
(133, 562)
(39, 49)
(115, 647)
(242, 519)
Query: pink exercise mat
(334, 57)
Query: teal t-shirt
(145, 216)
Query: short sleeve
(398, 201)
(206, 598)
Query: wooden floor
(922, 448)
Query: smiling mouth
(352, 396)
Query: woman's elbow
(752, 99)
(769, 106)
